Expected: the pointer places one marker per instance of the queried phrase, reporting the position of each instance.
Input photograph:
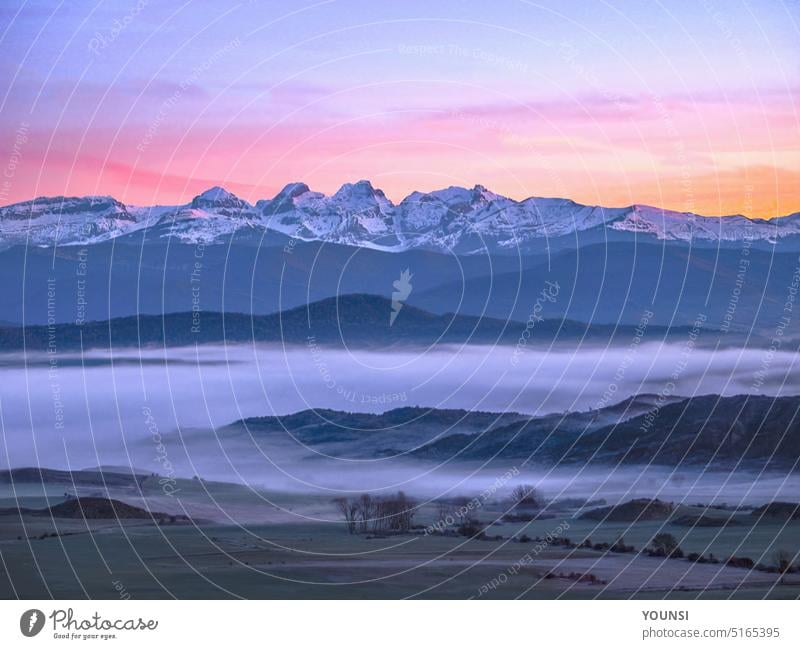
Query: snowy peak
(361, 197)
(216, 193)
(361, 190)
(482, 195)
(210, 216)
(219, 200)
(290, 192)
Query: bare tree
(394, 513)
(526, 495)
(349, 512)
(366, 512)
(381, 520)
(406, 510)
(784, 560)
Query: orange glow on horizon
(691, 164)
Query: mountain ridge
(455, 219)
(354, 320)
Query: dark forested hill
(352, 320)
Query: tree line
(375, 514)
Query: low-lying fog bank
(73, 412)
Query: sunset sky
(686, 104)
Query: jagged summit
(292, 190)
(216, 193)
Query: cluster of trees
(375, 514)
(665, 545)
(526, 504)
(526, 496)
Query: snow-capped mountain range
(452, 219)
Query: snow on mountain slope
(221, 202)
(64, 220)
(210, 216)
(456, 218)
(685, 226)
(443, 218)
(357, 214)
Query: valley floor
(293, 546)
